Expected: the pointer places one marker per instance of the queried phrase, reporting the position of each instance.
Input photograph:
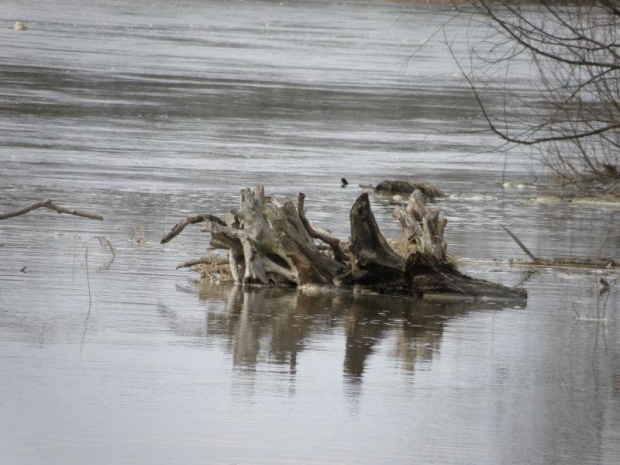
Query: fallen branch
(562, 262)
(533, 257)
(47, 203)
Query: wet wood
(273, 243)
(408, 187)
(47, 203)
(571, 262)
(533, 257)
(373, 262)
(564, 262)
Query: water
(148, 112)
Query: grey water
(147, 112)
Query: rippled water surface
(147, 112)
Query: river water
(147, 112)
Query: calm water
(150, 111)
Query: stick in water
(533, 257)
(47, 203)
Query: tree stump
(269, 243)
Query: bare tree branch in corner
(557, 69)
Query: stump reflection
(272, 325)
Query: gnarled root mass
(269, 243)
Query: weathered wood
(426, 271)
(273, 243)
(422, 229)
(262, 250)
(319, 233)
(47, 203)
(313, 266)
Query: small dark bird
(344, 182)
(23, 270)
(603, 287)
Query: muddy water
(150, 111)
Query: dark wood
(533, 257)
(409, 187)
(373, 262)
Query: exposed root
(272, 243)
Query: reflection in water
(273, 326)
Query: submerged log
(269, 243)
(409, 187)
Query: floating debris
(407, 187)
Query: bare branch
(533, 257)
(47, 203)
(180, 226)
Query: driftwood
(47, 203)
(562, 262)
(408, 187)
(269, 243)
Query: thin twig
(106, 243)
(90, 302)
(609, 230)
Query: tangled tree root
(269, 243)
